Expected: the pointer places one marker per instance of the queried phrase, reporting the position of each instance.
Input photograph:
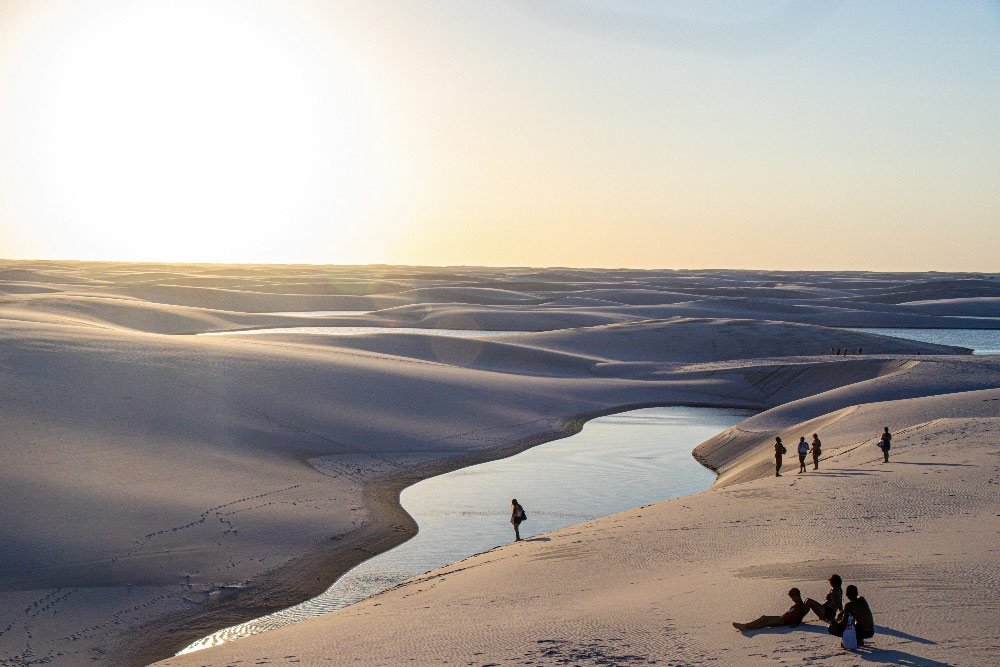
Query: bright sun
(190, 131)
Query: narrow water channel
(614, 463)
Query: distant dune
(157, 484)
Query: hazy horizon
(783, 135)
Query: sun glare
(188, 131)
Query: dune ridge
(162, 485)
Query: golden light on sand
(187, 130)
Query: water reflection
(980, 341)
(615, 463)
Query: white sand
(158, 487)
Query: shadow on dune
(784, 630)
(882, 630)
(917, 463)
(835, 473)
(869, 653)
(893, 657)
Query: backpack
(849, 640)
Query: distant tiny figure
(779, 451)
(858, 609)
(816, 451)
(885, 443)
(791, 618)
(517, 515)
(803, 451)
(834, 601)
(838, 351)
(861, 350)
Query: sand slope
(660, 584)
(159, 486)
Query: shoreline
(388, 526)
(673, 547)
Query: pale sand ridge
(159, 486)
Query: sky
(779, 134)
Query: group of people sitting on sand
(804, 448)
(840, 616)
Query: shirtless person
(816, 451)
(791, 618)
(885, 443)
(834, 601)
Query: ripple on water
(614, 463)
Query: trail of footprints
(50, 600)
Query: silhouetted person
(816, 451)
(803, 449)
(885, 443)
(834, 601)
(791, 618)
(860, 350)
(838, 351)
(779, 451)
(857, 608)
(517, 515)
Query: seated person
(857, 608)
(834, 601)
(791, 618)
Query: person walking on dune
(816, 451)
(517, 515)
(885, 443)
(779, 451)
(791, 618)
(803, 451)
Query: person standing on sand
(885, 443)
(779, 450)
(517, 515)
(803, 450)
(816, 451)
(791, 618)
(834, 601)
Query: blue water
(615, 463)
(980, 341)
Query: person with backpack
(779, 451)
(517, 515)
(791, 618)
(816, 451)
(803, 451)
(885, 443)
(858, 612)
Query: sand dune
(159, 486)
(660, 584)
